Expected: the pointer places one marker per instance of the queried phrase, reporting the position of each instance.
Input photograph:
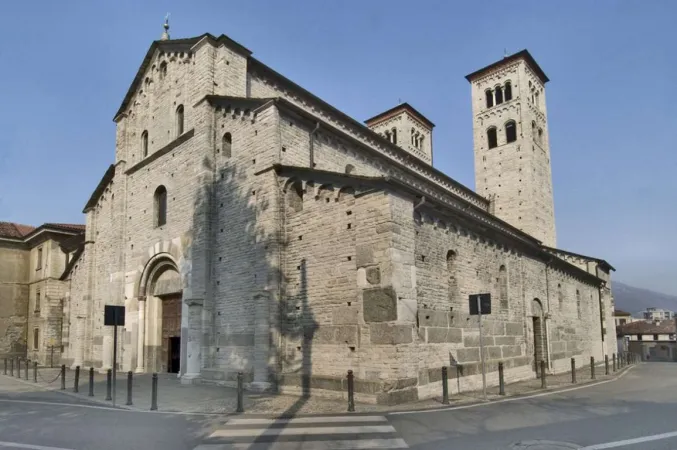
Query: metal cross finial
(505, 52)
(165, 34)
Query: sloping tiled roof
(620, 312)
(14, 230)
(647, 327)
(66, 226)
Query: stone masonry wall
(14, 264)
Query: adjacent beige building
(247, 225)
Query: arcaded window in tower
(503, 286)
(578, 303)
(489, 98)
(160, 206)
(511, 131)
(179, 121)
(508, 91)
(534, 131)
(491, 137)
(394, 135)
(163, 69)
(538, 105)
(540, 137)
(413, 136)
(226, 143)
(499, 95)
(144, 143)
(560, 296)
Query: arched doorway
(160, 305)
(538, 334)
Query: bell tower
(511, 145)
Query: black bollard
(153, 393)
(91, 382)
(629, 359)
(445, 386)
(109, 384)
(5, 366)
(35, 371)
(129, 387)
(592, 367)
(26, 373)
(76, 381)
(63, 377)
(240, 392)
(543, 382)
(614, 361)
(11, 367)
(606, 364)
(573, 370)
(501, 379)
(18, 367)
(351, 392)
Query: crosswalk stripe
(328, 419)
(359, 429)
(361, 444)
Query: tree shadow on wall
(228, 210)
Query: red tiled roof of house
(67, 226)
(647, 327)
(14, 230)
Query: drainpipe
(546, 316)
(311, 144)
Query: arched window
(534, 131)
(160, 206)
(413, 136)
(451, 262)
(540, 137)
(499, 95)
(578, 303)
(560, 296)
(144, 143)
(511, 131)
(226, 143)
(491, 137)
(394, 130)
(179, 120)
(538, 105)
(350, 168)
(452, 281)
(163, 69)
(489, 98)
(508, 91)
(503, 286)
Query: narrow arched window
(534, 131)
(179, 121)
(226, 143)
(511, 131)
(451, 261)
(144, 143)
(349, 168)
(163, 69)
(503, 286)
(491, 137)
(538, 105)
(489, 97)
(452, 282)
(499, 95)
(540, 137)
(578, 303)
(394, 135)
(508, 91)
(413, 136)
(560, 296)
(160, 206)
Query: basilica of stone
(247, 225)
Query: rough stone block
(343, 315)
(373, 275)
(431, 318)
(383, 333)
(504, 340)
(493, 352)
(514, 329)
(439, 335)
(379, 304)
(397, 397)
(364, 255)
(346, 334)
(236, 339)
(468, 355)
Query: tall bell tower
(511, 145)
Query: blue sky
(65, 67)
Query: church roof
(523, 54)
(395, 110)
(14, 230)
(174, 45)
(26, 232)
(107, 177)
(603, 264)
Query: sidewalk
(209, 399)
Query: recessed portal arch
(538, 328)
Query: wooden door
(171, 328)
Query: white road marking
(325, 419)
(32, 447)
(362, 444)
(511, 399)
(655, 437)
(245, 432)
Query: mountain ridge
(634, 300)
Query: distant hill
(634, 300)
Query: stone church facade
(247, 225)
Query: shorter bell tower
(511, 145)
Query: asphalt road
(641, 405)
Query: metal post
(501, 380)
(5, 366)
(63, 377)
(351, 392)
(35, 371)
(240, 392)
(129, 387)
(573, 370)
(11, 367)
(91, 382)
(629, 359)
(115, 356)
(18, 367)
(614, 360)
(484, 376)
(606, 364)
(543, 382)
(109, 382)
(445, 386)
(459, 371)
(76, 382)
(26, 370)
(592, 367)
(51, 357)
(153, 394)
